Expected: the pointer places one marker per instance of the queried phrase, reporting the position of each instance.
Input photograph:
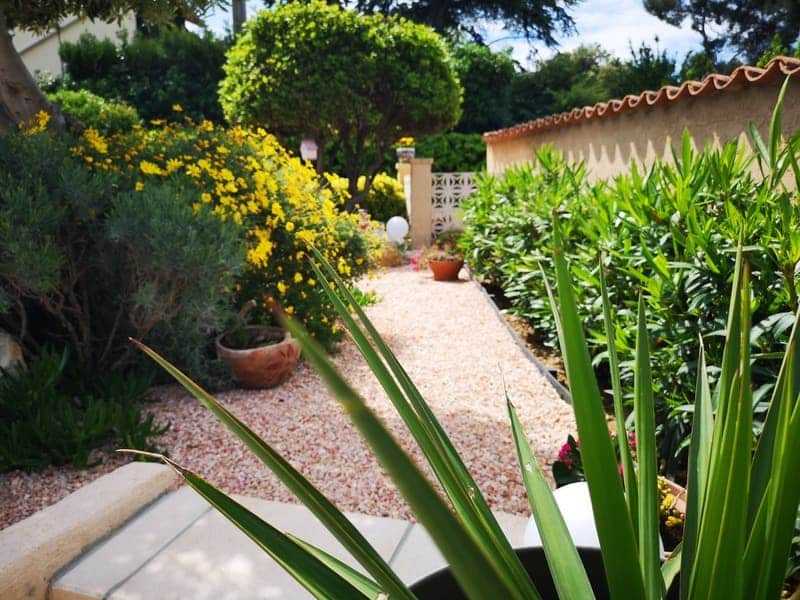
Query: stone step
(180, 548)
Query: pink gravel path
(453, 345)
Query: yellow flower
(290, 310)
(149, 168)
(38, 123)
(298, 277)
(206, 197)
(312, 282)
(177, 108)
(96, 141)
(139, 186)
(193, 170)
(289, 226)
(282, 287)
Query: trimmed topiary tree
(332, 74)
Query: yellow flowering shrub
(247, 177)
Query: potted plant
(742, 498)
(444, 258)
(405, 149)
(259, 356)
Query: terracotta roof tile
(777, 68)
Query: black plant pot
(442, 584)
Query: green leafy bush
(154, 74)
(670, 232)
(86, 265)
(454, 151)
(106, 116)
(245, 180)
(385, 198)
(316, 69)
(48, 419)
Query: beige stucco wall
(40, 51)
(609, 145)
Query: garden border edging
(33, 550)
(562, 391)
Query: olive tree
(345, 79)
(20, 98)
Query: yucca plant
(741, 506)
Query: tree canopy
(318, 70)
(746, 26)
(20, 98)
(532, 19)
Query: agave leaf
(473, 570)
(359, 581)
(786, 388)
(716, 571)
(628, 471)
(765, 574)
(470, 505)
(699, 459)
(330, 516)
(672, 566)
(566, 568)
(645, 417)
(310, 572)
(614, 527)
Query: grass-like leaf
(330, 516)
(721, 537)
(566, 568)
(476, 574)
(358, 580)
(699, 460)
(614, 526)
(308, 570)
(645, 417)
(628, 471)
(470, 506)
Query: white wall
(40, 51)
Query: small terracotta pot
(446, 270)
(264, 366)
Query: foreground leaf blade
(330, 516)
(644, 414)
(359, 581)
(566, 568)
(314, 575)
(473, 570)
(628, 471)
(614, 526)
(470, 505)
(699, 461)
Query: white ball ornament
(396, 229)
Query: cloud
(614, 25)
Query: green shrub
(87, 265)
(454, 151)
(385, 198)
(46, 419)
(317, 69)
(244, 179)
(670, 232)
(106, 116)
(152, 74)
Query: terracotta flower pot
(447, 269)
(265, 365)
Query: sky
(614, 24)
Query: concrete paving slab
(32, 551)
(116, 559)
(214, 560)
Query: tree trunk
(20, 97)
